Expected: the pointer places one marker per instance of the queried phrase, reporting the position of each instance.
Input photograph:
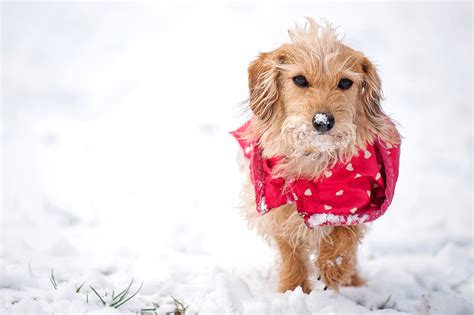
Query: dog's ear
(263, 84)
(371, 95)
(371, 90)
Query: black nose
(323, 121)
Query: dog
(314, 104)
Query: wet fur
(281, 118)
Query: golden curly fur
(282, 116)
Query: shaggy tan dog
(313, 73)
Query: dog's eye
(345, 84)
(300, 81)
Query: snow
(322, 218)
(355, 218)
(329, 218)
(320, 118)
(117, 162)
(263, 205)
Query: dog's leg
(293, 267)
(337, 257)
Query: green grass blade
(101, 299)
(122, 294)
(179, 305)
(131, 296)
(80, 287)
(53, 280)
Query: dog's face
(315, 99)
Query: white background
(116, 161)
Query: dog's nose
(323, 121)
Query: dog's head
(315, 99)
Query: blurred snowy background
(116, 161)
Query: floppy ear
(371, 96)
(263, 85)
(371, 92)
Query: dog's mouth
(322, 142)
(305, 140)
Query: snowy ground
(116, 162)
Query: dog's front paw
(335, 276)
(337, 272)
(288, 285)
(337, 257)
(357, 281)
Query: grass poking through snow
(180, 306)
(119, 299)
(98, 295)
(53, 280)
(123, 297)
(78, 289)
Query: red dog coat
(346, 194)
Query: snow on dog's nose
(323, 121)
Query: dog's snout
(323, 121)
